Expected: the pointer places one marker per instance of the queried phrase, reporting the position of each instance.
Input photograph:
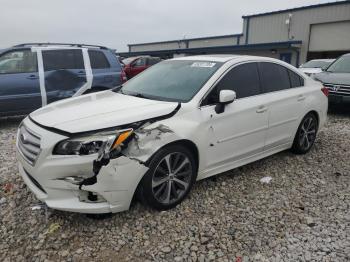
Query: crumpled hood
(333, 78)
(98, 111)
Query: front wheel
(171, 174)
(306, 134)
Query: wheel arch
(188, 144)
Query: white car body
(267, 125)
(315, 70)
(310, 71)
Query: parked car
(180, 121)
(315, 66)
(135, 65)
(33, 75)
(337, 79)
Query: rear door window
(98, 60)
(63, 59)
(273, 77)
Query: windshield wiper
(117, 89)
(139, 95)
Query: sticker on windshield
(203, 64)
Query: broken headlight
(97, 143)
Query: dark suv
(337, 79)
(33, 75)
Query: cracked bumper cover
(116, 182)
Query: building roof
(299, 8)
(214, 49)
(187, 39)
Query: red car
(135, 65)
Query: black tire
(306, 134)
(156, 196)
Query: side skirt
(243, 161)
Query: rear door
(285, 101)
(64, 73)
(19, 82)
(106, 69)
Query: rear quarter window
(98, 60)
(295, 79)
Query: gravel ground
(301, 215)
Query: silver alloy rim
(307, 133)
(171, 178)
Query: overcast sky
(116, 23)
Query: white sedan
(315, 66)
(180, 121)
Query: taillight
(123, 77)
(325, 91)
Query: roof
(186, 39)
(59, 44)
(299, 8)
(214, 58)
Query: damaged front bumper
(55, 179)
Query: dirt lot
(301, 215)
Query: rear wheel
(171, 174)
(306, 134)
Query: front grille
(28, 144)
(343, 90)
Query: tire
(163, 190)
(306, 134)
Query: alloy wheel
(307, 133)
(171, 177)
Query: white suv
(180, 121)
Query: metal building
(293, 35)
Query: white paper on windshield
(203, 64)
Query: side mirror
(225, 97)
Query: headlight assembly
(97, 143)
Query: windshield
(172, 80)
(127, 61)
(316, 64)
(342, 65)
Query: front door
(19, 82)
(239, 132)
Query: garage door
(330, 37)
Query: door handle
(301, 97)
(261, 109)
(32, 77)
